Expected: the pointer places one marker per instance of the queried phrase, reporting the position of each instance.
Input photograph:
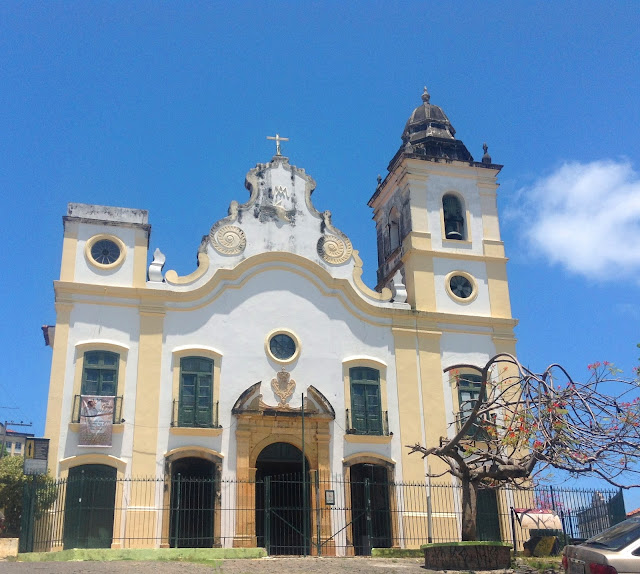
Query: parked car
(613, 551)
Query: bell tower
(437, 221)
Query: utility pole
(4, 435)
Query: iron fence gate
(287, 514)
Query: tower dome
(427, 120)
(428, 133)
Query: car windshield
(618, 536)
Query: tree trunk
(469, 509)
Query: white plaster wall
(237, 323)
(87, 273)
(101, 324)
(481, 305)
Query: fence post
(318, 515)
(27, 519)
(176, 525)
(267, 514)
(513, 531)
(367, 506)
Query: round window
(282, 346)
(105, 251)
(461, 286)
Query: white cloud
(586, 217)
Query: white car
(613, 551)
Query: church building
(273, 359)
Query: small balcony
(378, 427)
(191, 418)
(117, 409)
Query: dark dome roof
(427, 120)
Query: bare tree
(523, 423)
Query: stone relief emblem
(283, 386)
(280, 193)
(335, 248)
(228, 239)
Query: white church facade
(273, 350)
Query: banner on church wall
(96, 420)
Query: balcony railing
(117, 409)
(381, 429)
(191, 421)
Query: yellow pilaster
(140, 258)
(145, 434)
(69, 250)
(56, 383)
(498, 289)
(418, 266)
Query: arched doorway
(89, 506)
(283, 500)
(370, 508)
(194, 488)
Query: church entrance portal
(371, 518)
(193, 497)
(283, 500)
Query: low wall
(467, 556)
(8, 547)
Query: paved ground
(308, 565)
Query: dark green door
(487, 519)
(370, 508)
(89, 506)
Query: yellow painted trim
(115, 428)
(99, 345)
(172, 277)
(195, 431)
(189, 451)
(384, 295)
(93, 458)
(291, 334)
(195, 351)
(352, 458)
(470, 278)
(140, 258)
(69, 250)
(56, 383)
(498, 289)
(149, 380)
(364, 361)
(106, 266)
(368, 439)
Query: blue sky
(166, 106)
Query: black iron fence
(291, 514)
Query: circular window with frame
(105, 251)
(282, 346)
(461, 287)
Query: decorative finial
(379, 178)
(425, 96)
(278, 140)
(486, 158)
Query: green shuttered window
(469, 386)
(196, 392)
(100, 373)
(366, 411)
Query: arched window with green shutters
(195, 407)
(366, 409)
(100, 373)
(469, 386)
